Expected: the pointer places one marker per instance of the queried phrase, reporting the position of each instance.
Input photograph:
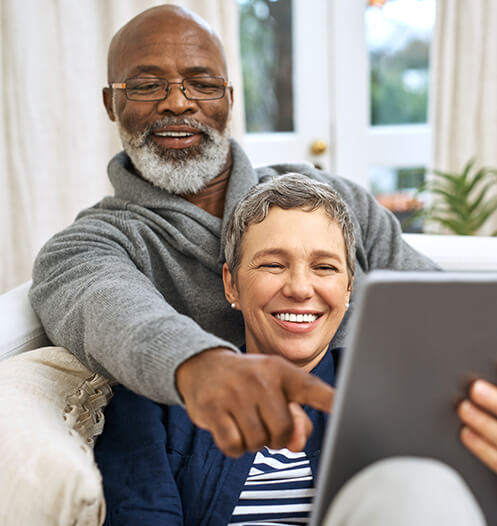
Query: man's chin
(179, 154)
(180, 171)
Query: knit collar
(128, 186)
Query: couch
(49, 415)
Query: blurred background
(382, 92)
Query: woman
(289, 270)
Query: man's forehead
(164, 35)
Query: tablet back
(417, 341)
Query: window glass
(266, 49)
(397, 190)
(398, 34)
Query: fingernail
(481, 388)
(467, 434)
(466, 407)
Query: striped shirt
(278, 491)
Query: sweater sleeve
(92, 299)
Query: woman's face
(292, 284)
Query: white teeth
(296, 318)
(174, 134)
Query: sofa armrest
(20, 328)
(50, 412)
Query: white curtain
(464, 86)
(55, 138)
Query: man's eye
(146, 86)
(203, 85)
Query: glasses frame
(123, 86)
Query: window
(345, 76)
(285, 61)
(398, 36)
(267, 64)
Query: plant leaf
(467, 169)
(455, 226)
(479, 198)
(481, 174)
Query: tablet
(416, 341)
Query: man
(133, 288)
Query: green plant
(461, 202)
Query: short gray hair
(288, 191)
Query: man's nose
(176, 102)
(298, 285)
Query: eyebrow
(282, 252)
(156, 70)
(144, 68)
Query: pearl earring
(347, 305)
(233, 306)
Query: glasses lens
(146, 89)
(204, 88)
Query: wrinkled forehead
(162, 38)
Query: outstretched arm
(95, 296)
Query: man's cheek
(135, 122)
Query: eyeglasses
(153, 89)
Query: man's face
(162, 137)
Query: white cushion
(50, 411)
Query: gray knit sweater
(133, 287)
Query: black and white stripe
(278, 491)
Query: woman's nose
(298, 285)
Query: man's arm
(93, 300)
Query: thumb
(302, 428)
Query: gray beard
(177, 171)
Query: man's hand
(479, 414)
(250, 401)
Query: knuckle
(228, 441)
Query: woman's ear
(349, 292)
(229, 287)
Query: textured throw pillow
(50, 412)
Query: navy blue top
(158, 468)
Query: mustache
(176, 121)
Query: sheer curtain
(55, 138)
(464, 86)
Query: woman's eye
(271, 265)
(326, 268)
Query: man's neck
(211, 198)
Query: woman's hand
(479, 416)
